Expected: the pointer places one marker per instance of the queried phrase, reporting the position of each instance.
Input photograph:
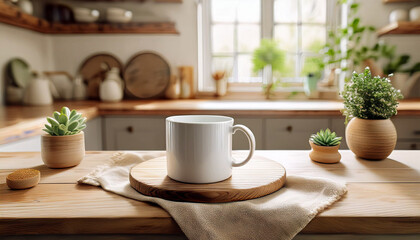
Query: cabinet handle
(413, 146)
(289, 128)
(416, 132)
(130, 129)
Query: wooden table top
(383, 198)
(18, 122)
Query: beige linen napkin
(280, 215)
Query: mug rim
(178, 119)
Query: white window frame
(205, 82)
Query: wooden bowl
(371, 139)
(62, 151)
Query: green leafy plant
(325, 138)
(65, 122)
(352, 35)
(268, 53)
(368, 97)
(396, 64)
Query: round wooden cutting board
(93, 70)
(257, 178)
(147, 75)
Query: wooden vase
(62, 151)
(371, 139)
(324, 154)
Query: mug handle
(251, 140)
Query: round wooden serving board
(257, 178)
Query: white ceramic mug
(199, 148)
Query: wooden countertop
(18, 122)
(383, 198)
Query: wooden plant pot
(324, 154)
(371, 139)
(62, 151)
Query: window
(232, 29)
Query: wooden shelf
(398, 1)
(400, 28)
(13, 16)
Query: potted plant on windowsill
(325, 146)
(268, 58)
(370, 102)
(64, 144)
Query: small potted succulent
(325, 146)
(64, 144)
(370, 102)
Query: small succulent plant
(65, 122)
(325, 138)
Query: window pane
(290, 65)
(285, 11)
(313, 37)
(245, 73)
(314, 11)
(310, 65)
(248, 37)
(222, 63)
(286, 36)
(223, 10)
(242, 10)
(222, 38)
(249, 11)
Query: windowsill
(254, 91)
(280, 94)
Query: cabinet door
(292, 133)
(134, 133)
(93, 135)
(407, 145)
(240, 141)
(407, 127)
(338, 126)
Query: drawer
(407, 127)
(407, 145)
(134, 133)
(292, 133)
(240, 141)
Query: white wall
(374, 12)
(35, 48)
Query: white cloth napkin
(280, 215)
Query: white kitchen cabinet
(240, 141)
(93, 140)
(407, 127)
(408, 132)
(93, 135)
(134, 133)
(338, 126)
(31, 144)
(292, 133)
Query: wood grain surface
(257, 178)
(383, 197)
